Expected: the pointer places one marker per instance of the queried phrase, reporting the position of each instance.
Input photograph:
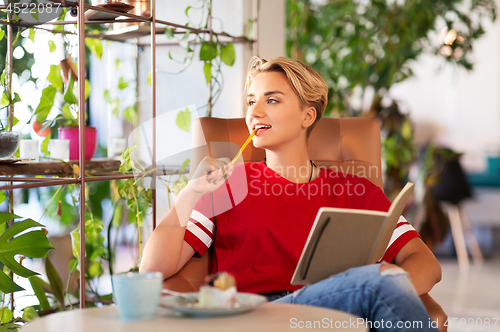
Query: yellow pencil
(244, 146)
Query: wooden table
(273, 317)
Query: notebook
(341, 239)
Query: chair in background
(350, 145)
(452, 190)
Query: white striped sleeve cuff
(402, 227)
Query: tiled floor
(471, 296)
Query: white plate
(246, 302)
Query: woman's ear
(309, 117)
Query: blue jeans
(387, 301)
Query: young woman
(258, 215)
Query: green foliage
(27, 60)
(69, 95)
(184, 42)
(122, 84)
(373, 43)
(5, 315)
(31, 35)
(36, 284)
(208, 51)
(130, 113)
(169, 33)
(95, 46)
(29, 314)
(137, 197)
(227, 54)
(55, 77)
(52, 46)
(183, 119)
(32, 244)
(55, 282)
(207, 70)
(213, 52)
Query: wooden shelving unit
(95, 170)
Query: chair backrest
(347, 145)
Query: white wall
(456, 108)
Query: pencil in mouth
(245, 144)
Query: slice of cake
(219, 291)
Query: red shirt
(262, 222)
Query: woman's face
(272, 103)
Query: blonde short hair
(307, 84)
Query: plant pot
(9, 141)
(71, 133)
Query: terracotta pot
(71, 133)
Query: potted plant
(9, 142)
(69, 115)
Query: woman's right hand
(207, 179)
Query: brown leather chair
(349, 145)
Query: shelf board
(130, 32)
(57, 167)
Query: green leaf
(36, 284)
(168, 32)
(55, 77)
(75, 240)
(34, 13)
(52, 46)
(32, 35)
(32, 244)
(3, 197)
(115, 107)
(106, 96)
(87, 89)
(29, 314)
(2, 34)
(95, 46)
(6, 216)
(130, 113)
(69, 96)
(207, 70)
(66, 112)
(117, 64)
(16, 99)
(10, 327)
(149, 78)
(183, 119)
(184, 42)
(126, 160)
(14, 121)
(208, 51)
(184, 165)
(5, 99)
(5, 315)
(46, 103)
(95, 269)
(227, 54)
(45, 145)
(122, 84)
(7, 285)
(55, 282)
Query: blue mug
(137, 294)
